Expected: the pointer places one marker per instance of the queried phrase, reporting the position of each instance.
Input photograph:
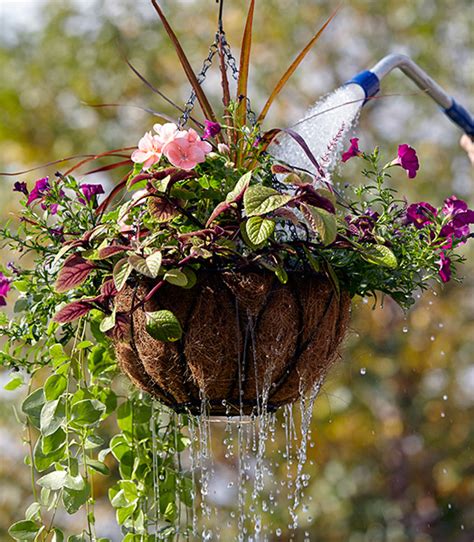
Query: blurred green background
(394, 431)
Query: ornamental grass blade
(242, 82)
(289, 72)
(202, 98)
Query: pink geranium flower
(185, 154)
(168, 132)
(352, 151)
(408, 160)
(150, 149)
(193, 137)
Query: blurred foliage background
(394, 454)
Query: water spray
(369, 80)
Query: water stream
(324, 127)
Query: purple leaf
(107, 252)
(72, 312)
(73, 273)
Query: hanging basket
(245, 337)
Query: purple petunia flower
(444, 267)
(211, 129)
(460, 218)
(4, 289)
(420, 214)
(41, 188)
(408, 160)
(352, 151)
(362, 226)
(20, 187)
(89, 191)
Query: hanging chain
(230, 62)
(200, 77)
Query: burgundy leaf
(107, 252)
(122, 330)
(74, 272)
(72, 312)
(108, 289)
(223, 206)
(162, 209)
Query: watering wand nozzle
(369, 80)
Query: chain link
(230, 62)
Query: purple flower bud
(20, 187)
(211, 129)
(352, 151)
(89, 191)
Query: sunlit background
(394, 431)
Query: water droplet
(432, 338)
(443, 414)
(445, 397)
(363, 371)
(278, 532)
(441, 325)
(405, 329)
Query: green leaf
(73, 499)
(54, 480)
(24, 530)
(281, 274)
(57, 354)
(149, 266)
(121, 272)
(380, 255)
(87, 412)
(33, 405)
(259, 200)
(163, 326)
(43, 460)
(58, 535)
(50, 443)
(191, 277)
(176, 277)
(108, 322)
(322, 222)
(239, 188)
(259, 229)
(125, 512)
(54, 386)
(14, 383)
(52, 416)
(98, 466)
(33, 511)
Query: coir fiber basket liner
(242, 333)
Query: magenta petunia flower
(211, 129)
(20, 187)
(41, 188)
(4, 289)
(460, 218)
(352, 151)
(420, 214)
(444, 264)
(90, 191)
(408, 160)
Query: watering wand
(369, 80)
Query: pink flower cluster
(183, 148)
